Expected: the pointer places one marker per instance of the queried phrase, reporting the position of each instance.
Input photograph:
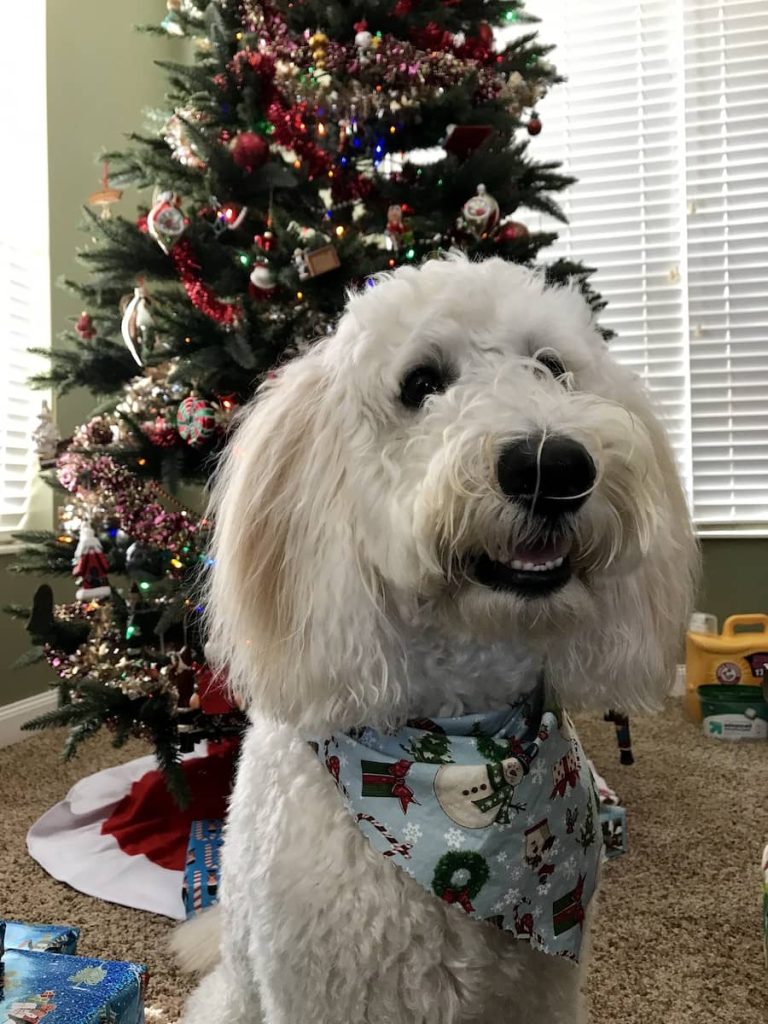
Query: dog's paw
(195, 944)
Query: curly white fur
(340, 596)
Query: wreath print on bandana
(482, 813)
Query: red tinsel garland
(200, 295)
(291, 131)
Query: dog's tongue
(543, 553)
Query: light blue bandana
(496, 813)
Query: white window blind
(24, 270)
(726, 137)
(663, 120)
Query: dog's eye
(553, 362)
(421, 382)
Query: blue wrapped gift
(613, 821)
(201, 871)
(42, 938)
(54, 988)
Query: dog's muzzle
(551, 478)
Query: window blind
(663, 122)
(726, 156)
(24, 270)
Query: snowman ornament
(475, 796)
(363, 40)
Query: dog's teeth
(558, 562)
(529, 566)
(517, 564)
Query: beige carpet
(677, 937)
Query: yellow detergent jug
(733, 657)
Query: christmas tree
(307, 148)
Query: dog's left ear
(293, 609)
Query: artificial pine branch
(31, 657)
(16, 611)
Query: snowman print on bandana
(476, 796)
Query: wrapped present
(201, 871)
(58, 989)
(613, 821)
(41, 938)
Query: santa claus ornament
(363, 39)
(480, 214)
(90, 567)
(261, 281)
(395, 227)
(166, 222)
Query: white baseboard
(13, 716)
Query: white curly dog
(457, 487)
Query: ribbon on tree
(200, 295)
(383, 779)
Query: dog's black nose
(554, 476)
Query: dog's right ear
(293, 611)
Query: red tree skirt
(119, 836)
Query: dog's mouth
(531, 571)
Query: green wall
(101, 77)
(735, 577)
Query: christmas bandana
(496, 813)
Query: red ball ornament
(485, 34)
(534, 125)
(249, 151)
(511, 231)
(196, 420)
(85, 328)
(161, 433)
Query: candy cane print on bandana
(482, 811)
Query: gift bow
(460, 896)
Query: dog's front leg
(220, 997)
